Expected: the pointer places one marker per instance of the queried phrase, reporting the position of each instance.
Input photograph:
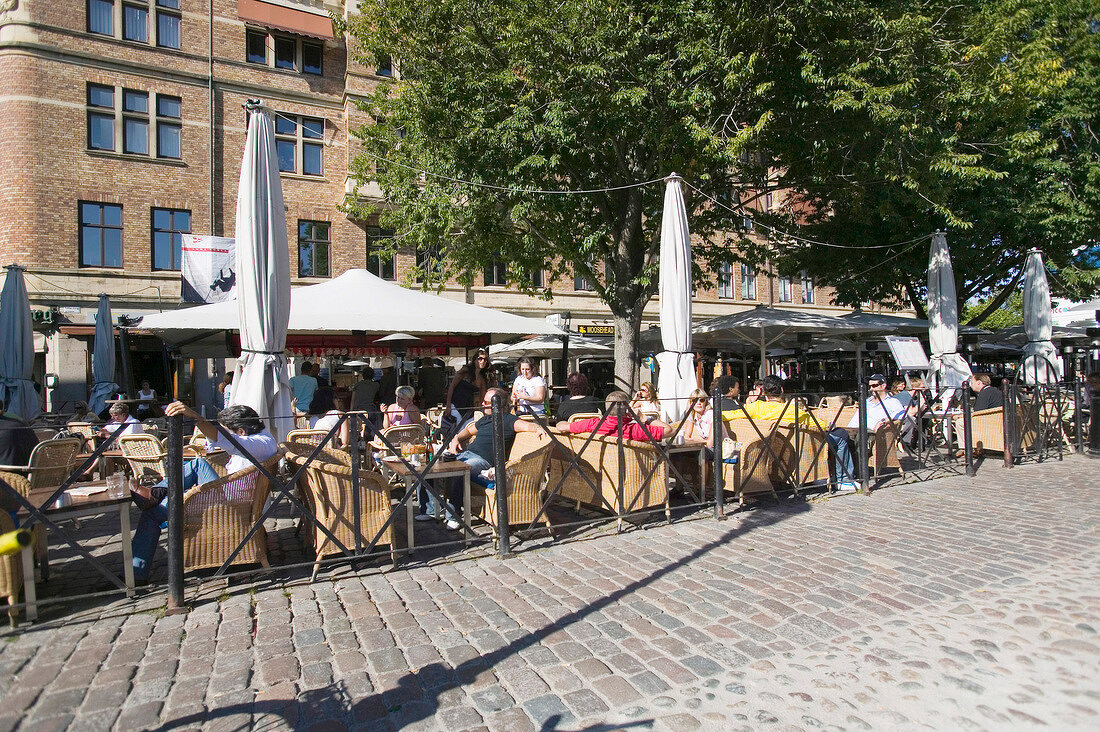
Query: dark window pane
(285, 150)
(285, 126)
(536, 278)
(101, 131)
(101, 17)
(385, 66)
(89, 213)
(135, 136)
(320, 230)
(311, 58)
(181, 221)
(135, 23)
(168, 30)
(168, 140)
(320, 260)
(162, 250)
(286, 51)
(175, 4)
(101, 96)
(305, 260)
(162, 218)
(112, 215)
(168, 106)
(135, 101)
(112, 247)
(312, 159)
(256, 47)
(313, 128)
(90, 249)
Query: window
(169, 226)
(126, 127)
(313, 246)
(385, 66)
(536, 278)
(298, 144)
(287, 52)
(136, 23)
(380, 252)
(784, 289)
(496, 274)
(582, 283)
(725, 280)
(748, 282)
(429, 261)
(807, 288)
(100, 234)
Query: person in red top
(615, 401)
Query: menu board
(908, 353)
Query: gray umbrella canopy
(263, 280)
(1017, 334)
(103, 358)
(547, 346)
(676, 376)
(1040, 362)
(17, 347)
(947, 368)
(766, 326)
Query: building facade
(126, 126)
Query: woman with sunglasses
(700, 420)
(468, 388)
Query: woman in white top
(529, 389)
(328, 419)
(700, 420)
(148, 396)
(645, 404)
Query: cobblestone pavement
(953, 604)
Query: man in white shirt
(246, 426)
(121, 422)
(880, 408)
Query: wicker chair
(217, 516)
(85, 430)
(11, 568)
(51, 462)
(306, 437)
(583, 415)
(329, 493)
(404, 434)
(145, 455)
(526, 480)
(45, 433)
(197, 441)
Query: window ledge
(136, 158)
(99, 267)
(298, 176)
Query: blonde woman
(403, 411)
(700, 420)
(646, 404)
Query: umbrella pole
(763, 357)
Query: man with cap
(880, 408)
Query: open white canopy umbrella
(103, 358)
(17, 347)
(263, 279)
(947, 369)
(1040, 363)
(547, 346)
(676, 379)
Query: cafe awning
(281, 17)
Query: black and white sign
(908, 353)
(208, 264)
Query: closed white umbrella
(676, 379)
(260, 379)
(17, 347)
(103, 358)
(946, 368)
(1040, 362)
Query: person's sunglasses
(874, 383)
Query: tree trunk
(626, 351)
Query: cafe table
(688, 447)
(441, 470)
(79, 501)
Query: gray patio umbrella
(263, 279)
(17, 347)
(765, 327)
(1040, 363)
(548, 346)
(676, 378)
(103, 358)
(947, 368)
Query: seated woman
(579, 401)
(403, 411)
(700, 421)
(646, 404)
(336, 406)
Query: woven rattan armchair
(198, 441)
(145, 455)
(307, 437)
(11, 568)
(329, 492)
(219, 514)
(526, 481)
(86, 431)
(583, 415)
(52, 461)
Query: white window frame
(725, 281)
(807, 288)
(154, 10)
(786, 288)
(748, 282)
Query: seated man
(121, 422)
(239, 419)
(880, 408)
(985, 396)
(766, 402)
(631, 429)
(479, 450)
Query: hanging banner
(208, 266)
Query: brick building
(126, 127)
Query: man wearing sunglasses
(478, 437)
(880, 408)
